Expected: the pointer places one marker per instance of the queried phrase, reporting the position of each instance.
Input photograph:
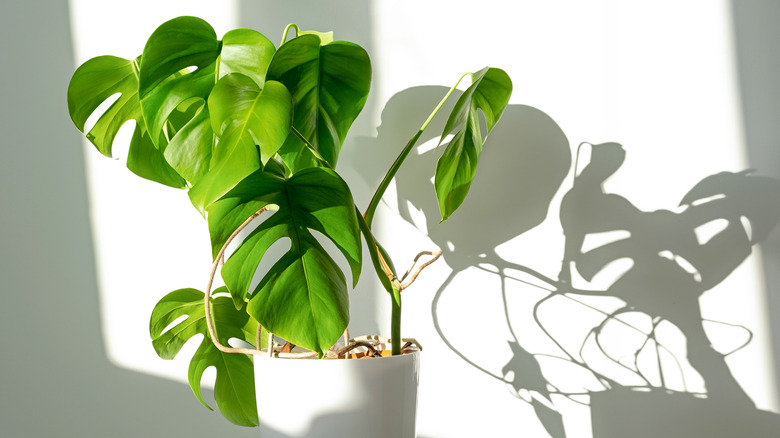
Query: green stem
(311, 148)
(395, 322)
(380, 191)
(375, 253)
(287, 30)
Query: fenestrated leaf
(181, 61)
(165, 80)
(92, 84)
(489, 93)
(174, 46)
(234, 386)
(303, 298)
(329, 85)
(247, 119)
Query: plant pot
(368, 397)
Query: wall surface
(661, 81)
(56, 379)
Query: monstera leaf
(173, 78)
(488, 93)
(329, 84)
(247, 119)
(234, 386)
(93, 83)
(303, 298)
(178, 64)
(247, 52)
(181, 62)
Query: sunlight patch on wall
(148, 240)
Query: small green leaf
(329, 85)
(262, 115)
(325, 37)
(304, 296)
(247, 52)
(91, 85)
(146, 161)
(489, 93)
(246, 119)
(234, 386)
(174, 46)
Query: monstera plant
(245, 127)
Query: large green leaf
(247, 119)
(329, 84)
(234, 389)
(92, 84)
(304, 297)
(488, 93)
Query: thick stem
(395, 322)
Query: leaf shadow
(672, 263)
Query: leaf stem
(207, 296)
(311, 148)
(380, 191)
(395, 322)
(287, 30)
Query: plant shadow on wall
(646, 361)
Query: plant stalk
(380, 191)
(286, 31)
(207, 295)
(395, 322)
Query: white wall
(660, 80)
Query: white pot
(330, 398)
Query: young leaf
(248, 52)
(489, 93)
(246, 119)
(303, 298)
(329, 85)
(92, 84)
(234, 387)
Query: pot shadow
(660, 263)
